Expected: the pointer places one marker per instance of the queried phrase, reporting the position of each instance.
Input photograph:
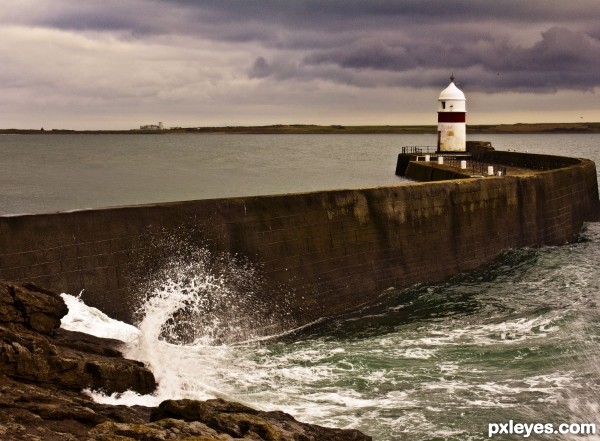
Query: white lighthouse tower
(452, 129)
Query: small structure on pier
(452, 130)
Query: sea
(508, 351)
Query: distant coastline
(294, 129)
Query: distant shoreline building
(160, 126)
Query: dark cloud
(332, 40)
(191, 53)
(281, 69)
(561, 58)
(305, 12)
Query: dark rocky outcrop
(31, 307)
(44, 368)
(220, 420)
(30, 411)
(239, 421)
(33, 348)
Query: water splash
(82, 318)
(199, 317)
(192, 295)
(194, 304)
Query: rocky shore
(44, 368)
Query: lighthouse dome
(452, 93)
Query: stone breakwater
(317, 254)
(44, 368)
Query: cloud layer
(252, 62)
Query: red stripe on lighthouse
(451, 117)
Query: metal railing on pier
(418, 149)
(476, 168)
(456, 159)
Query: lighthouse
(452, 130)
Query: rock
(31, 411)
(242, 422)
(193, 410)
(36, 308)
(33, 349)
(160, 430)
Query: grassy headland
(335, 129)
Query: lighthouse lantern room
(452, 131)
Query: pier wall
(334, 250)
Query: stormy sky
(100, 64)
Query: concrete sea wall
(333, 250)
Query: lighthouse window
(443, 104)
